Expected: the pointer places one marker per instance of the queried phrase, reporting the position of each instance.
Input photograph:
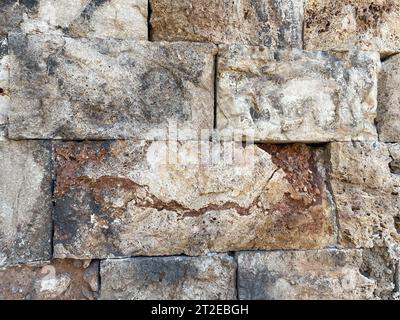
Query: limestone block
(120, 19)
(366, 192)
(169, 278)
(303, 275)
(4, 81)
(273, 23)
(25, 202)
(108, 89)
(389, 101)
(125, 198)
(297, 96)
(348, 24)
(56, 280)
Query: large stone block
(169, 278)
(389, 101)
(297, 95)
(366, 193)
(25, 202)
(274, 23)
(345, 25)
(124, 198)
(120, 19)
(300, 275)
(98, 89)
(56, 280)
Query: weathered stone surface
(394, 151)
(389, 101)
(11, 13)
(25, 202)
(366, 193)
(59, 280)
(4, 81)
(127, 198)
(274, 23)
(169, 278)
(348, 24)
(98, 89)
(297, 95)
(119, 19)
(301, 275)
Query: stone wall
(199, 149)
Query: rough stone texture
(274, 23)
(119, 19)
(58, 280)
(323, 274)
(349, 24)
(297, 95)
(169, 278)
(11, 13)
(124, 198)
(394, 150)
(389, 101)
(98, 89)
(4, 81)
(25, 202)
(366, 193)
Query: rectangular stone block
(303, 275)
(120, 19)
(389, 101)
(125, 198)
(56, 280)
(297, 96)
(169, 278)
(262, 22)
(345, 25)
(99, 89)
(366, 193)
(4, 81)
(25, 202)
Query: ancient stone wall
(199, 149)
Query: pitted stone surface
(350, 24)
(120, 19)
(297, 96)
(302, 275)
(389, 101)
(4, 82)
(169, 278)
(108, 89)
(366, 193)
(124, 198)
(274, 23)
(25, 202)
(56, 280)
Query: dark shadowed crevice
(149, 27)
(215, 88)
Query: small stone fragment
(169, 278)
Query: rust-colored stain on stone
(301, 215)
